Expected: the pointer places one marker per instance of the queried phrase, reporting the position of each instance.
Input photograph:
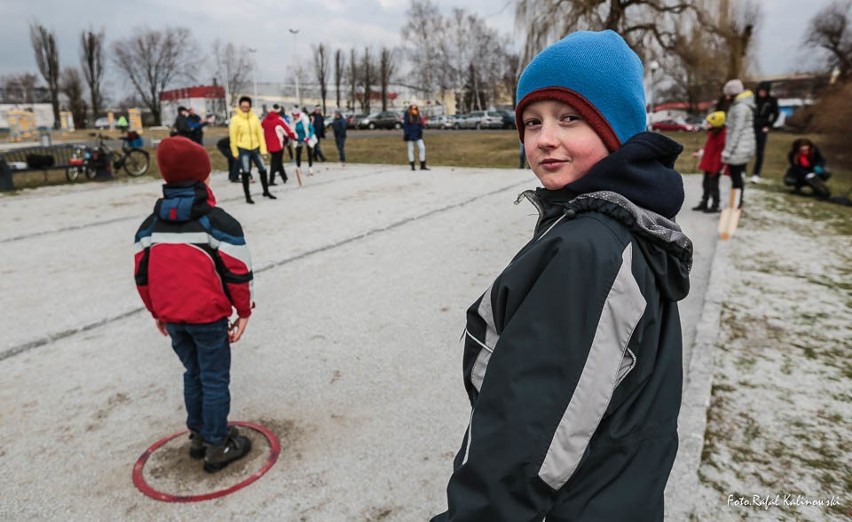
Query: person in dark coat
(224, 146)
(412, 132)
(338, 125)
(807, 168)
(765, 114)
(181, 126)
(572, 357)
(319, 127)
(196, 126)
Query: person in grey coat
(740, 144)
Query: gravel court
(352, 356)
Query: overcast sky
(264, 24)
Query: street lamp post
(294, 32)
(253, 77)
(653, 66)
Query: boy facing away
(192, 268)
(572, 357)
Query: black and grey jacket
(572, 358)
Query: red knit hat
(182, 160)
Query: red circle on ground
(141, 485)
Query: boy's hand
(161, 326)
(235, 331)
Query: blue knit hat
(598, 75)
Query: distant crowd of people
(737, 134)
(251, 139)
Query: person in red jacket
(276, 132)
(192, 269)
(711, 162)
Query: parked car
(102, 123)
(330, 118)
(456, 119)
(353, 121)
(382, 120)
(673, 126)
(440, 122)
(508, 118)
(482, 120)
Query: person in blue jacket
(572, 357)
(412, 132)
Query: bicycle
(89, 160)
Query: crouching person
(192, 269)
(807, 169)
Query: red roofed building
(205, 99)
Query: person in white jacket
(740, 144)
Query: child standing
(711, 162)
(572, 357)
(192, 269)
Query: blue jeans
(205, 352)
(247, 157)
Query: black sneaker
(700, 207)
(196, 442)
(235, 447)
(196, 445)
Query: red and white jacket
(275, 129)
(192, 261)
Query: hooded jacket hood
(642, 170)
(638, 187)
(184, 203)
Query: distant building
(204, 99)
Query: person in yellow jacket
(248, 145)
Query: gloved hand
(818, 169)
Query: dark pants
(341, 152)
(710, 184)
(205, 353)
(798, 178)
(247, 157)
(233, 166)
(760, 138)
(737, 179)
(318, 155)
(276, 164)
(299, 156)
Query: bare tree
(233, 67)
(636, 20)
(354, 73)
(735, 24)
(153, 59)
(93, 66)
(830, 30)
(697, 66)
(339, 65)
(20, 88)
(367, 70)
(47, 59)
(387, 65)
(71, 85)
(321, 71)
(422, 35)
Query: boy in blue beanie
(572, 358)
